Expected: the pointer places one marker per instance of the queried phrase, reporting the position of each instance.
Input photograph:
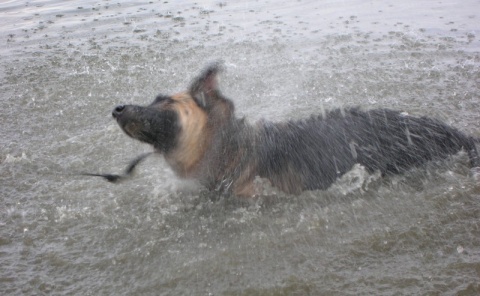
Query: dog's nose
(118, 110)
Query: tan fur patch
(194, 136)
(244, 185)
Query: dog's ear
(204, 88)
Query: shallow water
(66, 64)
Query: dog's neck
(231, 147)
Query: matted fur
(201, 138)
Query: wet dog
(201, 138)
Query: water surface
(64, 66)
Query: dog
(201, 138)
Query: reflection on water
(65, 65)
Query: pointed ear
(204, 88)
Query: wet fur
(201, 139)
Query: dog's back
(313, 153)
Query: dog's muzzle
(118, 111)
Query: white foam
(12, 159)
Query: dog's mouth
(128, 119)
(158, 128)
(138, 130)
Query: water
(65, 65)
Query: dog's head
(183, 123)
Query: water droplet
(460, 249)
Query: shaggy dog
(201, 138)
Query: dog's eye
(160, 98)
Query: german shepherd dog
(201, 138)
